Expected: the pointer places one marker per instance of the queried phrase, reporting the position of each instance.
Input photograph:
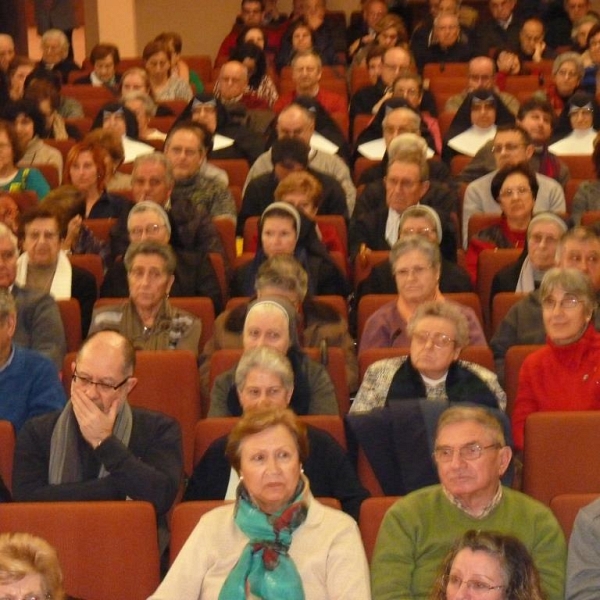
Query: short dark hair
(38, 212)
(512, 127)
(290, 150)
(536, 103)
(30, 109)
(201, 131)
(100, 51)
(501, 176)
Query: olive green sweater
(418, 530)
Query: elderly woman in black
(438, 332)
(282, 230)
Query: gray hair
(407, 142)
(157, 158)
(7, 305)
(443, 310)
(547, 217)
(571, 281)
(240, 65)
(412, 156)
(573, 57)
(7, 234)
(422, 211)
(265, 359)
(416, 242)
(56, 34)
(147, 247)
(146, 99)
(409, 112)
(306, 53)
(472, 414)
(283, 272)
(149, 206)
(443, 15)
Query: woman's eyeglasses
(439, 340)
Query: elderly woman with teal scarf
(276, 541)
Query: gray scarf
(65, 463)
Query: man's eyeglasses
(148, 230)
(103, 388)
(510, 147)
(439, 340)
(473, 451)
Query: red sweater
(330, 101)
(558, 378)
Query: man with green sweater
(418, 530)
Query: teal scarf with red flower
(265, 569)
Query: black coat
(85, 290)
(194, 276)
(370, 216)
(260, 192)
(327, 468)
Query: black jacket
(194, 276)
(327, 468)
(260, 192)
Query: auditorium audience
(579, 248)
(319, 324)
